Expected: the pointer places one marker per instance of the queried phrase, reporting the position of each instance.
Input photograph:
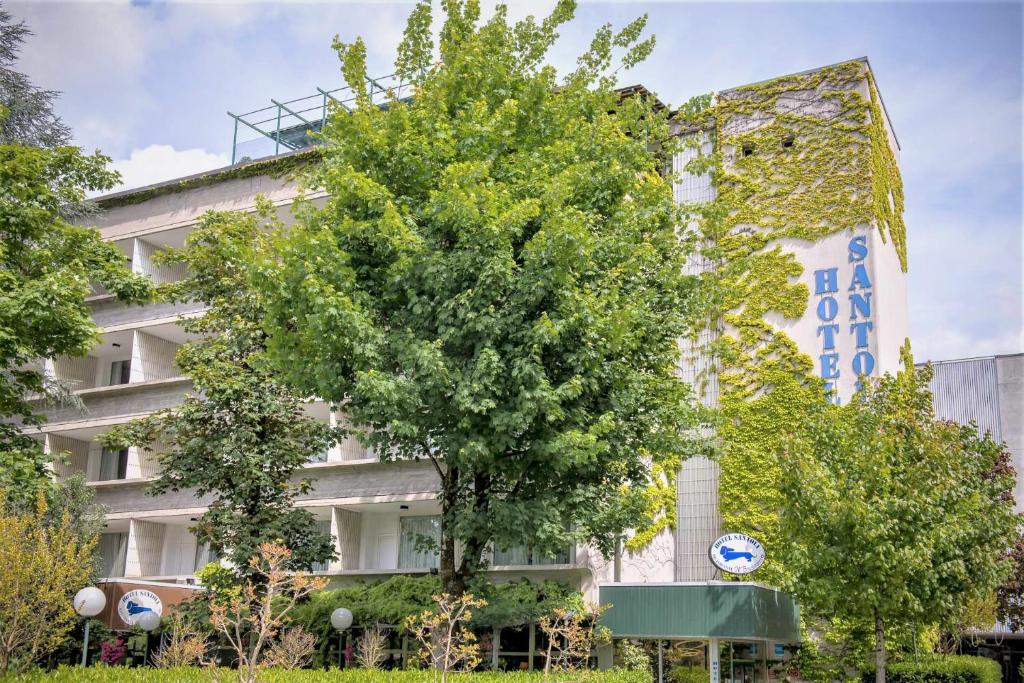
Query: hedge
(118, 674)
(941, 669)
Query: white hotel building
(373, 509)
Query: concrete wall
(178, 209)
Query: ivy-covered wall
(798, 158)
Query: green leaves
(495, 282)
(46, 267)
(893, 512)
(242, 437)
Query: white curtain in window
(204, 556)
(113, 464)
(113, 550)
(513, 556)
(521, 555)
(410, 556)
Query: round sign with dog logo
(737, 553)
(137, 602)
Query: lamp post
(341, 619)
(148, 621)
(88, 602)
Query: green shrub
(688, 674)
(97, 674)
(941, 669)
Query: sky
(149, 84)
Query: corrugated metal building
(988, 391)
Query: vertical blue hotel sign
(847, 311)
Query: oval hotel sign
(737, 553)
(136, 602)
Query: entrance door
(744, 672)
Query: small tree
(242, 437)
(293, 649)
(372, 648)
(42, 566)
(254, 615)
(895, 518)
(184, 645)
(572, 634)
(447, 641)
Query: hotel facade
(852, 321)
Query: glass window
(113, 549)
(113, 464)
(415, 532)
(204, 556)
(521, 555)
(120, 372)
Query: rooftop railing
(294, 124)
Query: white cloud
(157, 163)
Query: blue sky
(149, 84)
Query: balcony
(164, 550)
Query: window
(415, 533)
(120, 372)
(113, 464)
(324, 527)
(528, 556)
(204, 556)
(113, 549)
(319, 457)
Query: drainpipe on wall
(617, 567)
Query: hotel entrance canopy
(714, 609)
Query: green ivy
(276, 167)
(799, 157)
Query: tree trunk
(879, 649)
(451, 582)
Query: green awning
(718, 609)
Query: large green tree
(47, 264)
(241, 437)
(893, 517)
(495, 283)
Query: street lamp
(88, 602)
(148, 621)
(341, 619)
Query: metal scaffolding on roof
(294, 124)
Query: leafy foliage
(943, 669)
(46, 266)
(393, 601)
(42, 566)
(243, 436)
(820, 165)
(446, 639)
(1010, 594)
(251, 619)
(894, 517)
(195, 675)
(495, 283)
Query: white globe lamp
(148, 621)
(341, 619)
(88, 602)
